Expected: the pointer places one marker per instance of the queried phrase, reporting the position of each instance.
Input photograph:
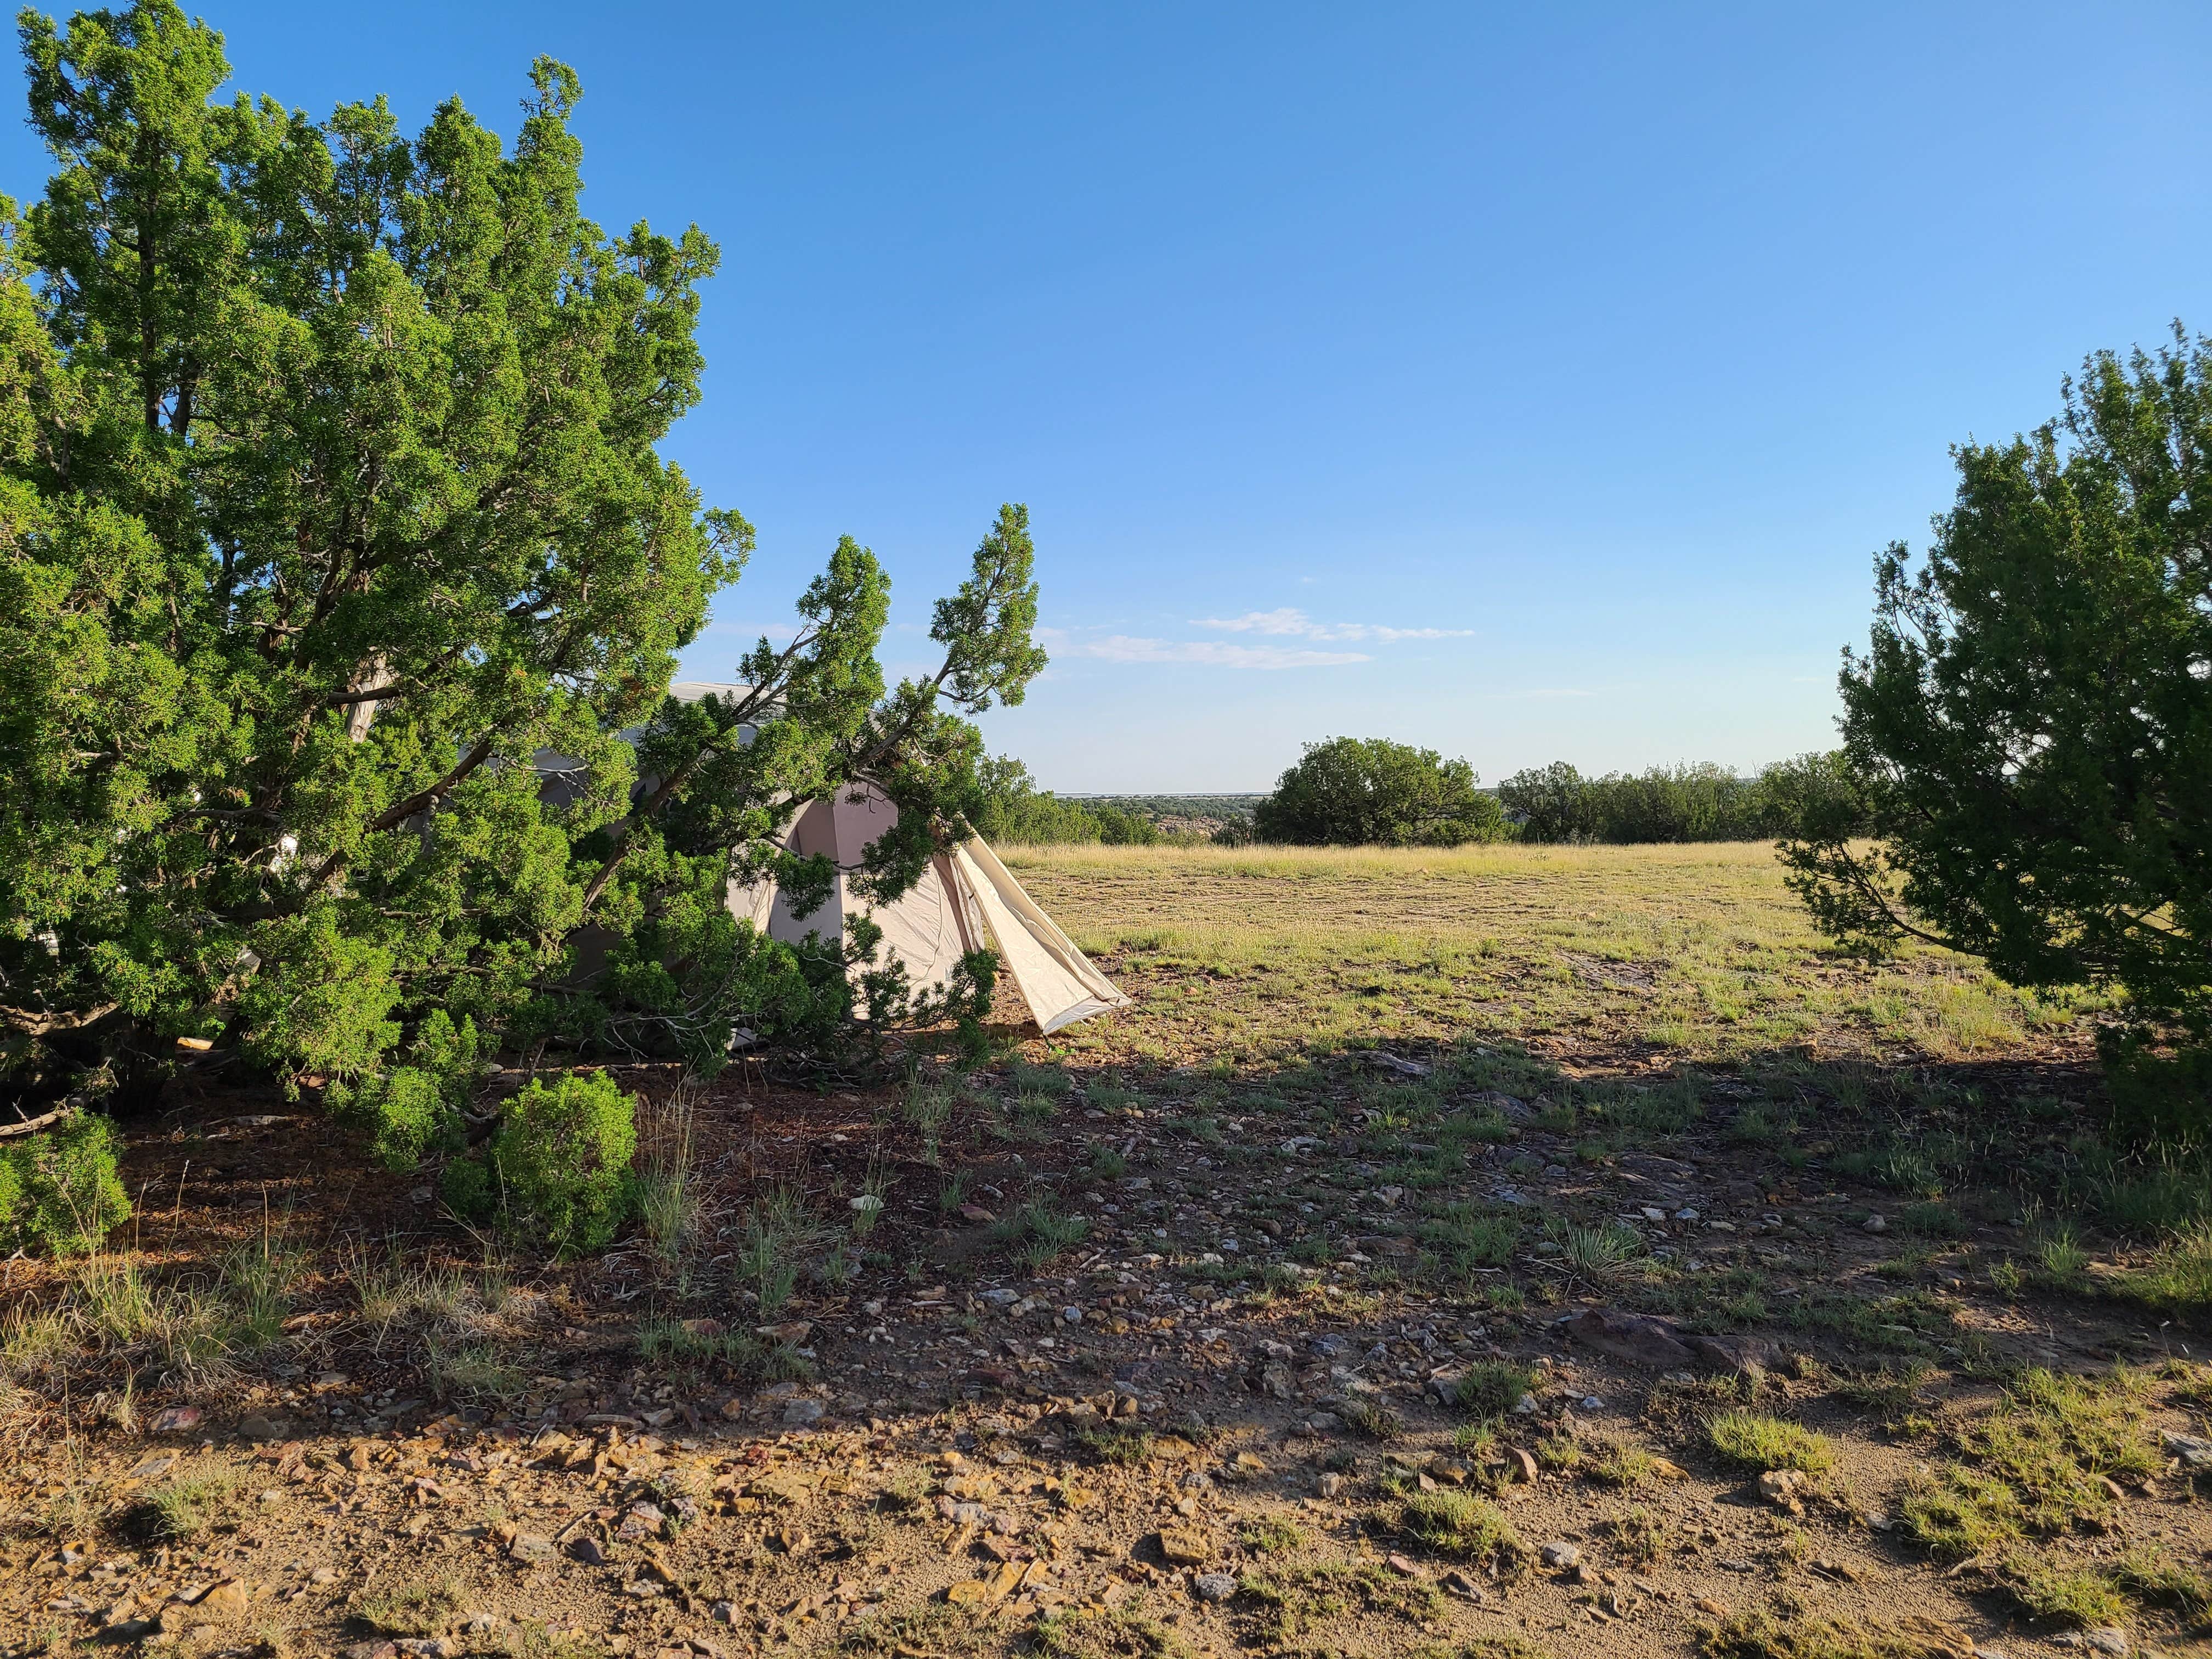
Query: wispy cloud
(1291, 622)
(1125, 647)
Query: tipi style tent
(966, 901)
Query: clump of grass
(1754, 1440)
(1959, 1514)
(185, 1505)
(1763, 1636)
(1040, 1232)
(1468, 1237)
(1269, 1536)
(417, 1608)
(1124, 1444)
(1286, 1604)
(1103, 1161)
(2054, 1440)
(1489, 1389)
(467, 1369)
(1617, 1463)
(1640, 1535)
(2175, 1278)
(779, 1226)
(1598, 1255)
(2065, 1594)
(1457, 1524)
(1374, 1419)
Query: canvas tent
(965, 900)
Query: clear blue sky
(1531, 383)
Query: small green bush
(59, 1193)
(561, 1162)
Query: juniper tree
(329, 505)
(2030, 727)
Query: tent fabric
(1057, 979)
(966, 900)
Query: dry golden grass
(1238, 955)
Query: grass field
(1693, 952)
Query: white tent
(965, 900)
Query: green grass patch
(1756, 1443)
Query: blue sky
(1531, 383)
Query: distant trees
(1010, 807)
(1353, 792)
(2032, 719)
(1700, 802)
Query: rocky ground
(1407, 1353)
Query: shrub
(560, 1162)
(1354, 792)
(59, 1193)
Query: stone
(258, 1427)
(1520, 1465)
(1778, 1486)
(1277, 1381)
(1560, 1555)
(799, 1412)
(531, 1547)
(788, 1334)
(1710, 1608)
(1458, 1584)
(228, 1599)
(723, 1613)
(587, 1549)
(644, 1521)
(1638, 1339)
(1875, 1223)
(1185, 1546)
(1329, 1485)
(153, 1465)
(427, 1647)
(2106, 1639)
(1214, 1586)
(2195, 1453)
(177, 1419)
(1403, 1567)
(370, 1650)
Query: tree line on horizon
(1373, 792)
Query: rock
(177, 1419)
(644, 1521)
(803, 1411)
(1002, 1298)
(788, 1334)
(1638, 1339)
(370, 1650)
(1329, 1485)
(427, 1647)
(1277, 1381)
(258, 1427)
(1560, 1555)
(1527, 1406)
(531, 1547)
(119, 1613)
(322, 1575)
(2194, 1453)
(1778, 1484)
(1185, 1546)
(1710, 1608)
(1214, 1586)
(1520, 1465)
(976, 1212)
(1403, 1567)
(228, 1600)
(1745, 1356)
(2106, 1639)
(1875, 1223)
(1460, 1584)
(587, 1549)
(1072, 1315)
(153, 1465)
(723, 1613)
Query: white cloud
(1295, 623)
(1124, 647)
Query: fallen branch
(33, 1125)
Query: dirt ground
(1439, 1347)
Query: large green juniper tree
(2031, 726)
(330, 507)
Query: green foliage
(1755, 1442)
(330, 506)
(1011, 808)
(2031, 717)
(1701, 802)
(1356, 792)
(59, 1193)
(560, 1165)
